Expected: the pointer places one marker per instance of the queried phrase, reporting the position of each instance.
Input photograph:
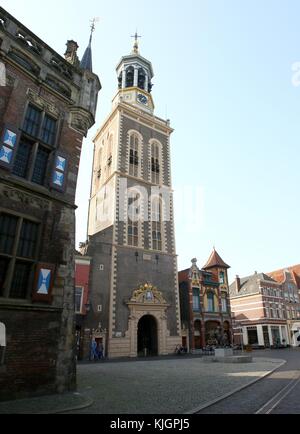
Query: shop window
(252, 336)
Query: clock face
(142, 99)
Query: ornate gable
(147, 294)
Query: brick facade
(38, 177)
(205, 305)
(259, 310)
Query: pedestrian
(94, 355)
(100, 351)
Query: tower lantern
(135, 74)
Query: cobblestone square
(164, 386)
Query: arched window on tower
(99, 164)
(110, 155)
(156, 218)
(134, 155)
(141, 79)
(2, 343)
(155, 163)
(120, 79)
(130, 77)
(133, 219)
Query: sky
(226, 76)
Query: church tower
(134, 295)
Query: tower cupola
(135, 74)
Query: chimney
(238, 283)
(71, 53)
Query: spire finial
(86, 62)
(136, 43)
(93, 26)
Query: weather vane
(93, 24)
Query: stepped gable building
(205, 304)
(289, 278)
(47, 105)
(134, 284)
(258, 306)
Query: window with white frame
(224, 303)
(133, 219)
(267, 312)
(134, 155)
(210, 302)
(222, 277)
(79, 299)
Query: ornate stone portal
(148, 301)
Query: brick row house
(266, 308)
(205, 304)
(47, 105)
(289, 279)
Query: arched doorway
(147, 337)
